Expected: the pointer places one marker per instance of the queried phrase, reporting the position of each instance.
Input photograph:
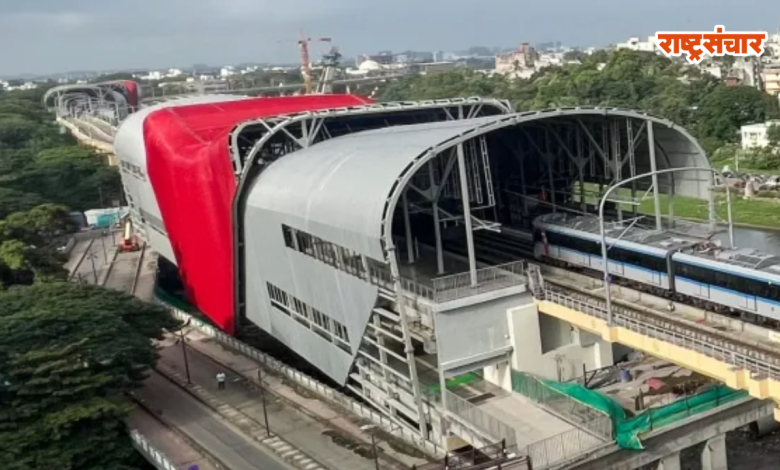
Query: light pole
(182, 339)
(103, 242)
(654, 175)
(92, 261)
(262, 399)
(369, 428)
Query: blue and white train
(741, 280)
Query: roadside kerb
(320, 389)
(247, 425)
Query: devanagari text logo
(696, 45)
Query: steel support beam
(464, 193)
(408, 347)
(436, 222)
(408, 229)
(654, 170)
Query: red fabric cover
(132, 93)
(189, 167)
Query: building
(771, 78)
(516, 61)
(635, 44)
(432, 67)
(375, 240)
(755, 135)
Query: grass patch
(757, 212)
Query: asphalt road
(203, 426)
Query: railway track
(75, 271)
(124, 270)
(493, 248)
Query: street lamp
(654, 174)
(262, 399)
(182, 339)
(369, 428)
(94, 270)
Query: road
(89, 263)
(202, 426)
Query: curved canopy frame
(483, 128)
(282, 135)
(93, 96)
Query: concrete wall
(574, 348)
(474, 333)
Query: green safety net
(453, 382)
(627, 431)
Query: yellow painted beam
(738, 379)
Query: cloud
(108, 34)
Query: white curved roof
(129, 139)
(339, 187)
(344, 190)
(369, 66)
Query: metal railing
(458, 286)
(567, 407)
(487, 423)
(561, 448)
(716, 347)
(154, 456)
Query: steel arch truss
(256, 144)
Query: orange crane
(303, 43)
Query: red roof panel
(189, 166)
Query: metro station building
(386, 243)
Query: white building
(755, 135)
(635, 44)
(771, 78)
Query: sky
(47, 36)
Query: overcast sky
(44, 36)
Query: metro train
(741, 280)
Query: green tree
(68, 355)
(29, 242)
(724, 110)
(636, 80)
(12, 200)
(773, 135)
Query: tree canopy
(44, 174)
(644, 81)
(68, 354)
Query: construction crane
(303, 43)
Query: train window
(637, 259)
(574, 243)
(728, 281)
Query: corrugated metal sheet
(337, 190)
(340, 296)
